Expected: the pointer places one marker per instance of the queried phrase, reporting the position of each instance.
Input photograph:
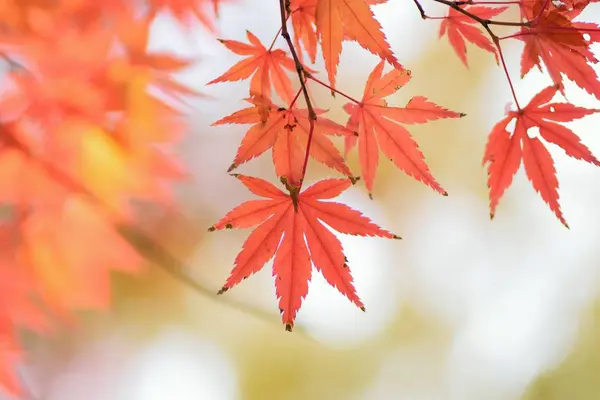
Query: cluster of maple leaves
(88, 114)
(290, 225)
(87, 119)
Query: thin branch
(311, 131)
(13, 64)
(284, 7)
(483, 22)
(421, 10)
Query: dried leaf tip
(354, 179)
(221, 40)
(445, 194)
(232, 167)
(460, 115)
(396, 237)
(288, 327)
(492, 215)
(363, 309)
(212, 229)
(222, 290)
(371, 196)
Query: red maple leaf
(504, 151)
(299, 217)
(556, 42)
(530, 9)
(378, 125)
(287, 132)
(460, 27)
(263, 64)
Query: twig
(486, 23)
(13, 65)
(420, 8)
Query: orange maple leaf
(134, 34)
(185, 10)
(299, 217)
(286, 132)
(504, 151)
(60, 245)
(354, 19)
(303, 22)
(264, 65)
(378, 125)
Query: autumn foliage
(89, 117)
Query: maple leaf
(378, 126)
(60, 246)
(555, 41)
(134, 35)
(286, 132)
(264, 65)
(460, 27)
(530, 9)
(504, 151)
(182, 10)
(299, 217)
(355, 20)
(303, 22)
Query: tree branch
(284, 7)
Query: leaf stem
(320, 82)
(295, 99)
(278, 32)
(275, 39)
(510, 84)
